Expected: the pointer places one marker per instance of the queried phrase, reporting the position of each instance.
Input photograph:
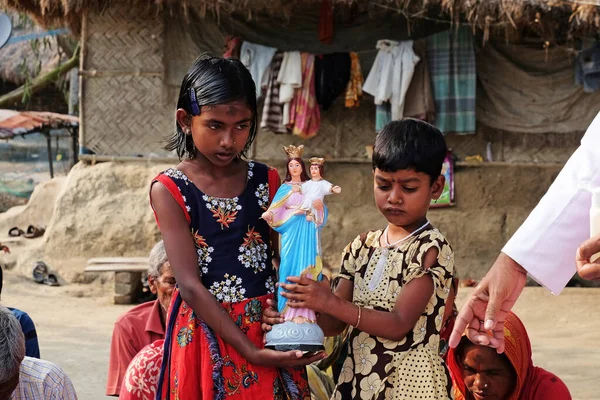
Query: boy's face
(404, 196)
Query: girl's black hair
(410, 144)
(208, 82)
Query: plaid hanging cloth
(453, 79)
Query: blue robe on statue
(300, 250)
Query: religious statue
(298, 214)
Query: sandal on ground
(40, 272)
(51, 280)
(34, 231)
(15, 232)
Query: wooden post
(50, 162)
(82, 63)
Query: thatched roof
(19, 59)
(544, 16)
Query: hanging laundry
(305, 116)
(383, 115)
(272, 114)
(419, 97)
(257, 59)
(332, 73)
(233, 45)
(326, 22)
(391, 74)
(289, 79)
(354, 88)
(453, 78)
(587, 68)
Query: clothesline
(315, 81)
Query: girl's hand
(306, 293)
(283, 359)
(270, 317)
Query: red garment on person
(533, 383)
(134, 330)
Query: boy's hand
(303, 292)
(270, 317)
(4, 249)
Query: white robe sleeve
(546, 243)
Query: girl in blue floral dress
(208, 209)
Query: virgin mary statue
(300, 255)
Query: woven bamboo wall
(125, 108)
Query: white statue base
(293, 336)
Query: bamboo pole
(82, 121)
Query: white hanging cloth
(391, 74)
(290, 79)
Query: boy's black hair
(211, 81)
(410, 144)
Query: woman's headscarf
(518, 351)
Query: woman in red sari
(478, 372)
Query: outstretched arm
(393, 325)
(330, 325)
(484, 313)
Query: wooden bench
(128, 275)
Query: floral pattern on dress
(377, 368)
(262, 194)
(253, 252)
(185, 335)
(229, 290)
(203, 250)
(224, 210)
(177, 174)
(240, 378)
(270, 284)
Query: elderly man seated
(143, 324)
(24, 378)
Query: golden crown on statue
(293, 151)
(316, 160)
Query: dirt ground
(74, 325)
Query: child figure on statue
(316, 189)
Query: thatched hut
(530, 113)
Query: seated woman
(478, 372)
